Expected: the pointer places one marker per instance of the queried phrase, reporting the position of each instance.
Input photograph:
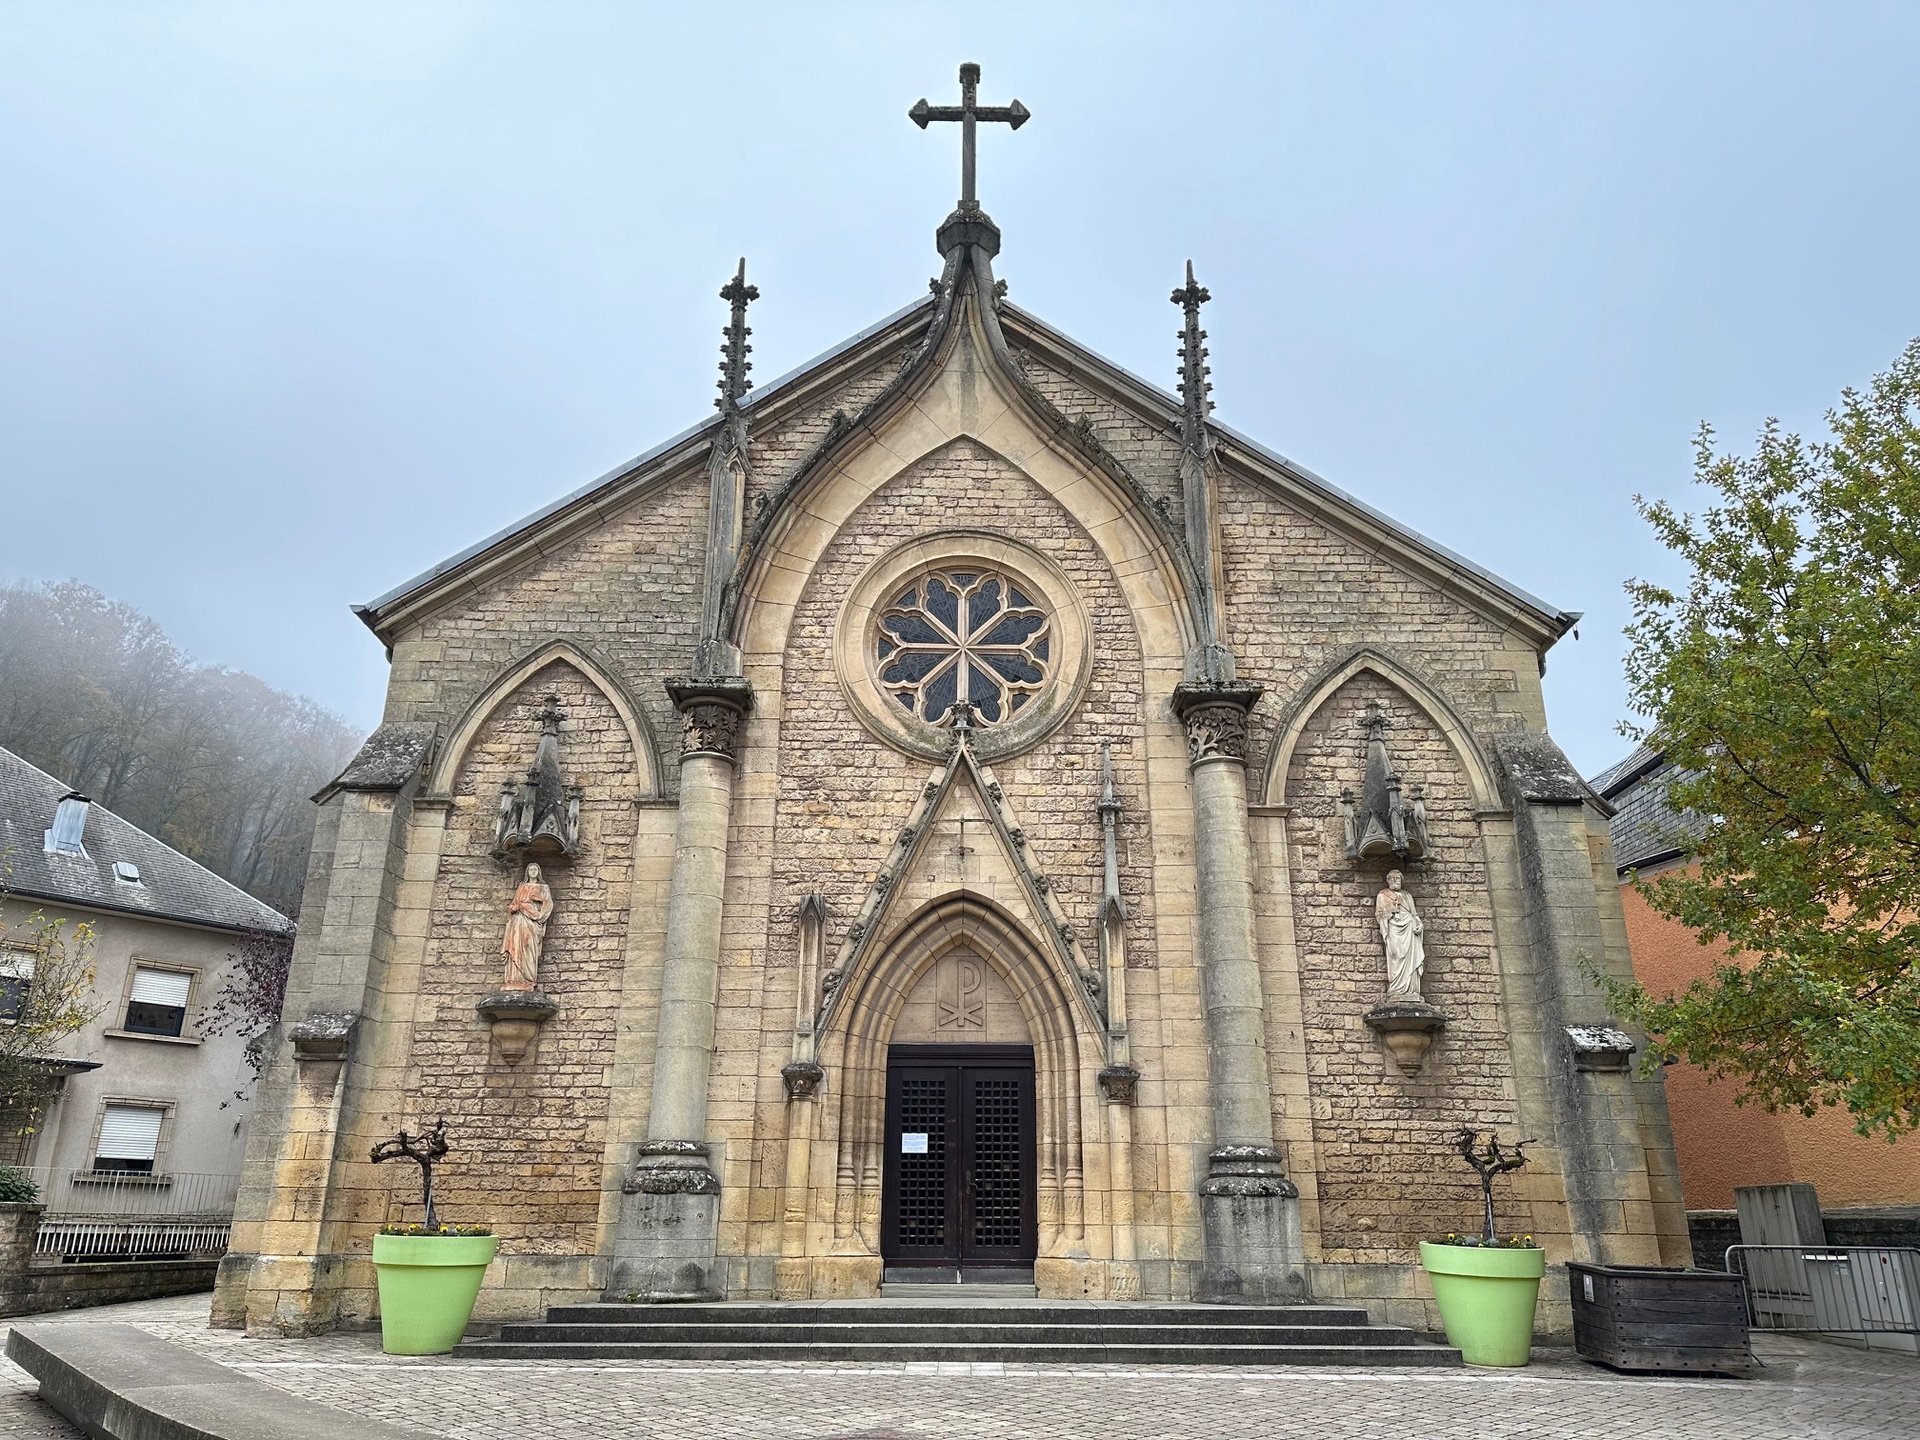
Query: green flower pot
(428, 1284)
(1486, 1297)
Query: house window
(16, 979)
(129, 1138)
(157, 1004)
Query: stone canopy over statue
(1388, 820)
(539, 816)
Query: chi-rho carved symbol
(960, 1000)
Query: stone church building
(934, 820)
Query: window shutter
(16, 964)
(161, 987)
(129, 1132)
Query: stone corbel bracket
(1408, 1027)
(324, 1035)
(1599, 1048)
(1081, 978)
(516, 1017)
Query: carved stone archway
(1067, 1057)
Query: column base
(671, 1227)
(1250, 1221)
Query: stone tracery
(967, 637)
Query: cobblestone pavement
(1808, 1390)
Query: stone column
(670, 1228)
(1249, 1209)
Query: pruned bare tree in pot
(1487, 1285)
(429, 1273)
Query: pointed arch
(646, 756)
(853, 1051)
(937, 401)
(1367, 658)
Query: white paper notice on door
(913, 1144)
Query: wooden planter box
(1648, 1317)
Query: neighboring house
(147, 1114)
(1722, 1144)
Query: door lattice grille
(923, 1178)
(997, 1155)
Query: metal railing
(111, 1215)
(114, 1193)
(1830, 1289)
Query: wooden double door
(958, 1190)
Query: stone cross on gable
(968, 112)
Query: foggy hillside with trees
(213, 761)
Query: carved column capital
(1215, 717)
(802, 1079)
(711, 714)
(1119, 1084)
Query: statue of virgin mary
(527, 916)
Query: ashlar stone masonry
(960, 726)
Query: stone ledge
(120, 1382)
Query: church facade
(960, 813)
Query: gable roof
(1314, 494)
(1646, 829)
(171, 887)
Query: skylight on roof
(126, 871)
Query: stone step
(1082, 1332)
(929, 1312)
(916, 1351)
(967, 1294)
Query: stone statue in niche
(527, 916)
(1403, 1019)
(1404, 936)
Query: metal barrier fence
(103, 1215)
(1830, 1289)
(129, 1239)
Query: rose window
(963, 637)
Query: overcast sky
(296, 300)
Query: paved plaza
(1808, 1390)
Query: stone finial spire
(727, 469)
(1211, 662)
(734, 364)
(1196, 391)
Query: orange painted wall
(1721, 1144)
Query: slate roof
(171, 887)
(1646, 830)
